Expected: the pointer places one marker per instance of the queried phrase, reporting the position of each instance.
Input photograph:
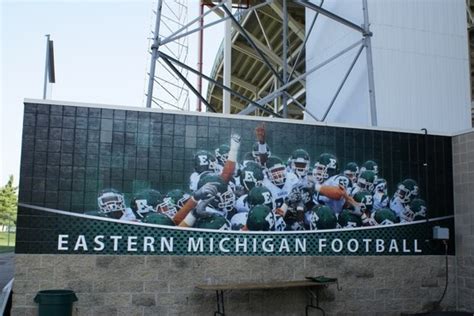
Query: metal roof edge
(236, 116)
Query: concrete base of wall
(165, 285)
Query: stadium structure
(337, 54)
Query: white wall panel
(420, 59)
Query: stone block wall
(165, 285)
(463, 160)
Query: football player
(371, 166)
(351, 171)
(173, 201)
(260, 150)
(414, 211)
(204, 162)
(365, 181)
(406, 191)
(208, 190)
(320, 217)
(144, 202)
(381, 199)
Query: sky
(100, 52)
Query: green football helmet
(222, 154)
(225, 198)
(370, 165)
(385, 216)
(260, 195)
(299, 162)
(251, 175)
(172, 202)
(366, 180)
(159, 219)
(204, 161)
(261, 218)
(325, 167)
(145, 201)
(346, 219)
(276, 170)
(321, 217)
(215, 221)
(351, 171)
(365, 199)
(414, 211)
(407, 190)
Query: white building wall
(420, 59)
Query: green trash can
(55, 302)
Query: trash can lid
(55, 297)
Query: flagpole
(45, 86)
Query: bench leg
(314, 296)
(220, 303)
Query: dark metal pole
(46, 68)
(200, 53)
(186, 82)
(220, 85)
(284, 99)
(370, 66)
(250, 41)
(154, 55)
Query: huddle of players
(262, 193)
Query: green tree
(8, 203)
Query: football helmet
(299, 162)
(225, 198)
(248, 157)
(414, 211)
(365, 199)
(347, 219)
(238, 221)
(258, 156)
(159, 219)
(204, 161)
(407, 190)
(276, 171)
(111, 200)
(172, 202)
(260, 195)
(215, 221)
(370, 165)
(380, 185)
(222, 154)
(325, 167)
(145, 201)
(251, 175)
(385, 216)
(261, 218)
(321, 217)
(351, 171)
(366, 180)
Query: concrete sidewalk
(7, 268)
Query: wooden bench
(313, 288)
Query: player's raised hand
(201, 210)
(260, 133)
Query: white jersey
(279, 194)
(241, 205)
(128, 215)
(335, 205)
(380, 201)
(397, 206)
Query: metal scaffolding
(166, 88)
(274, 82)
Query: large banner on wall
(134, 181)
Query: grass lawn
(4, 246)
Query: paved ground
(6, 268)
